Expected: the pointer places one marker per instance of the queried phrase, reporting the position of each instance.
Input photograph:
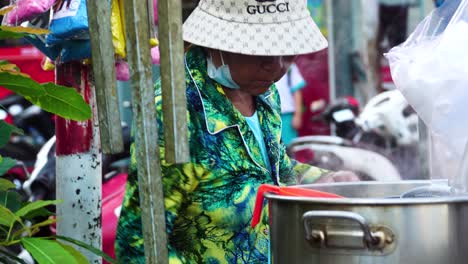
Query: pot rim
(370, 201)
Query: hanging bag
(27, 9)
(431, 70)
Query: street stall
(95, 43)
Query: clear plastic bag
(431, 70)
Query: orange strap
(286, 191)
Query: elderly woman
(238, 49)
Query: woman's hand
(338, 176)
(297, 121)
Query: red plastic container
(28, 59)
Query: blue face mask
(222, 75)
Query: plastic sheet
(51, 52)
(431, 70)
(70, 21)
(75, 50)
(28, 9)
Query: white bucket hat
(254, 27)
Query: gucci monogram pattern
(269, 28)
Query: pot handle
(368, 236)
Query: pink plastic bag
(155, 56)
(28, 9)
(122, 71)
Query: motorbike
(379, 143)
(37, 127)
(390, 124)
(335, 153)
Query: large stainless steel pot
(369, 226)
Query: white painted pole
(78, 167)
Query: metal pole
(342, 39)
(173, 81)
(99, 17)
(78, 166)
(331, 48)
(146, 133)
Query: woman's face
(254, 74)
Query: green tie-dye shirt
(209, 201)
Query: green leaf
(12, 128)
(6, 164)
(88, 247)
(11, 68)
(41, 212)
(11, 200)
(27, 30)
(22, 85)
(7, 217)
(5, 132)
(64, 101)
(15, 32)
(60, 100)
(7, 66)
(80, 259)
(11, 35)
(34, 206)
(46, 251)
(6, 185)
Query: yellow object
(47, 65)
(86, 62)
(122, 14)
(118, 35)
(154, 42)
(28, 30)
(5, 10)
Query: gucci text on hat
(270, 8)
